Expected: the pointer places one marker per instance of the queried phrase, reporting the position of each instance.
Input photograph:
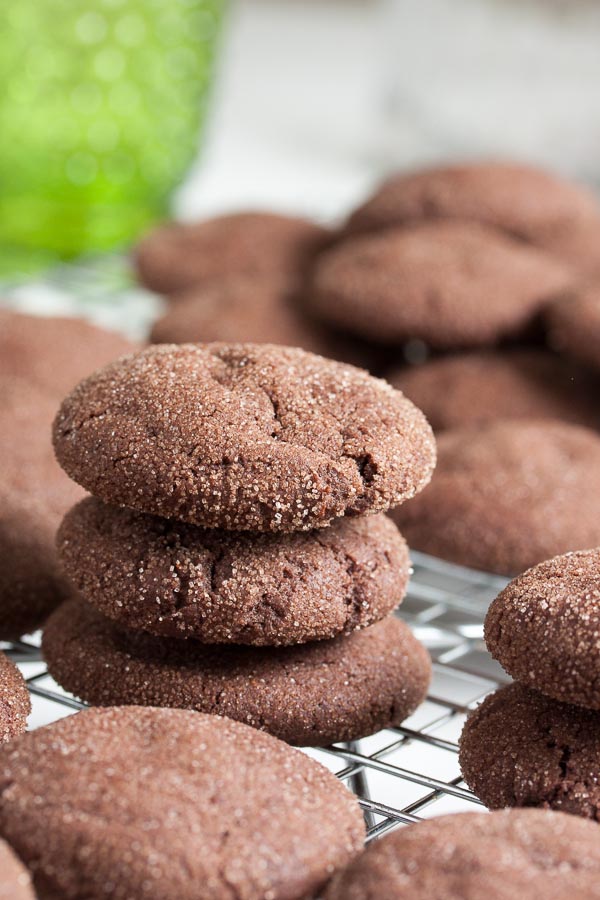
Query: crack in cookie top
(243, 437)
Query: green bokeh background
(101, 107)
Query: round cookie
(315, 694)
(15, 704)
(171, 805)
(240, 308)
(15, 881)
(508, 494)
(520, 748)
(521, 200)
(34, 495)
(178, 255)
(524, 853)
(543, 627)
(262, 309)
(522, 383)
(449, 284)
(243, 437)
(169, 578)
(55, 352)
(573, 326)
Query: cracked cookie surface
(170, 578)
(311, 694)
(520, 748)
(172, 805)
(243, 437)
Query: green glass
(101, 105)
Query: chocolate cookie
(171, 805)
(543, 627)
(179, 256)
(314, 694)
(15, 882)
(449, 284)
(34, 495)
(579, 246)
(523, 201)
(507, 495)
(264, 309)
(243, 437)
(469, 388)
(525, 853)
(15, 704)
(574, 326)
(55, 352)
(166, 577)
(520, 748)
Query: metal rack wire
(402, 774)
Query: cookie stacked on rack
(536, 742)
(234, 557)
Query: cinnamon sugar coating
(243, 437)
(171, 805)
(520, 748)
(525, 853)
(312, 694)
(15, 704)
(170, 578)
(544, 628)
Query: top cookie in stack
(245, 471)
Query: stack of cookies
(234, 557)
(536, 742)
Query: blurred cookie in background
(53, 351)
(482, 386)
(521, 200)
(179, 256)
(573, 326)
(255, 309)
(579, 246)
(506, 495)
(34, 496)
(448, 284)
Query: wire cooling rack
(402, 774)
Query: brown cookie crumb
(311, 694)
